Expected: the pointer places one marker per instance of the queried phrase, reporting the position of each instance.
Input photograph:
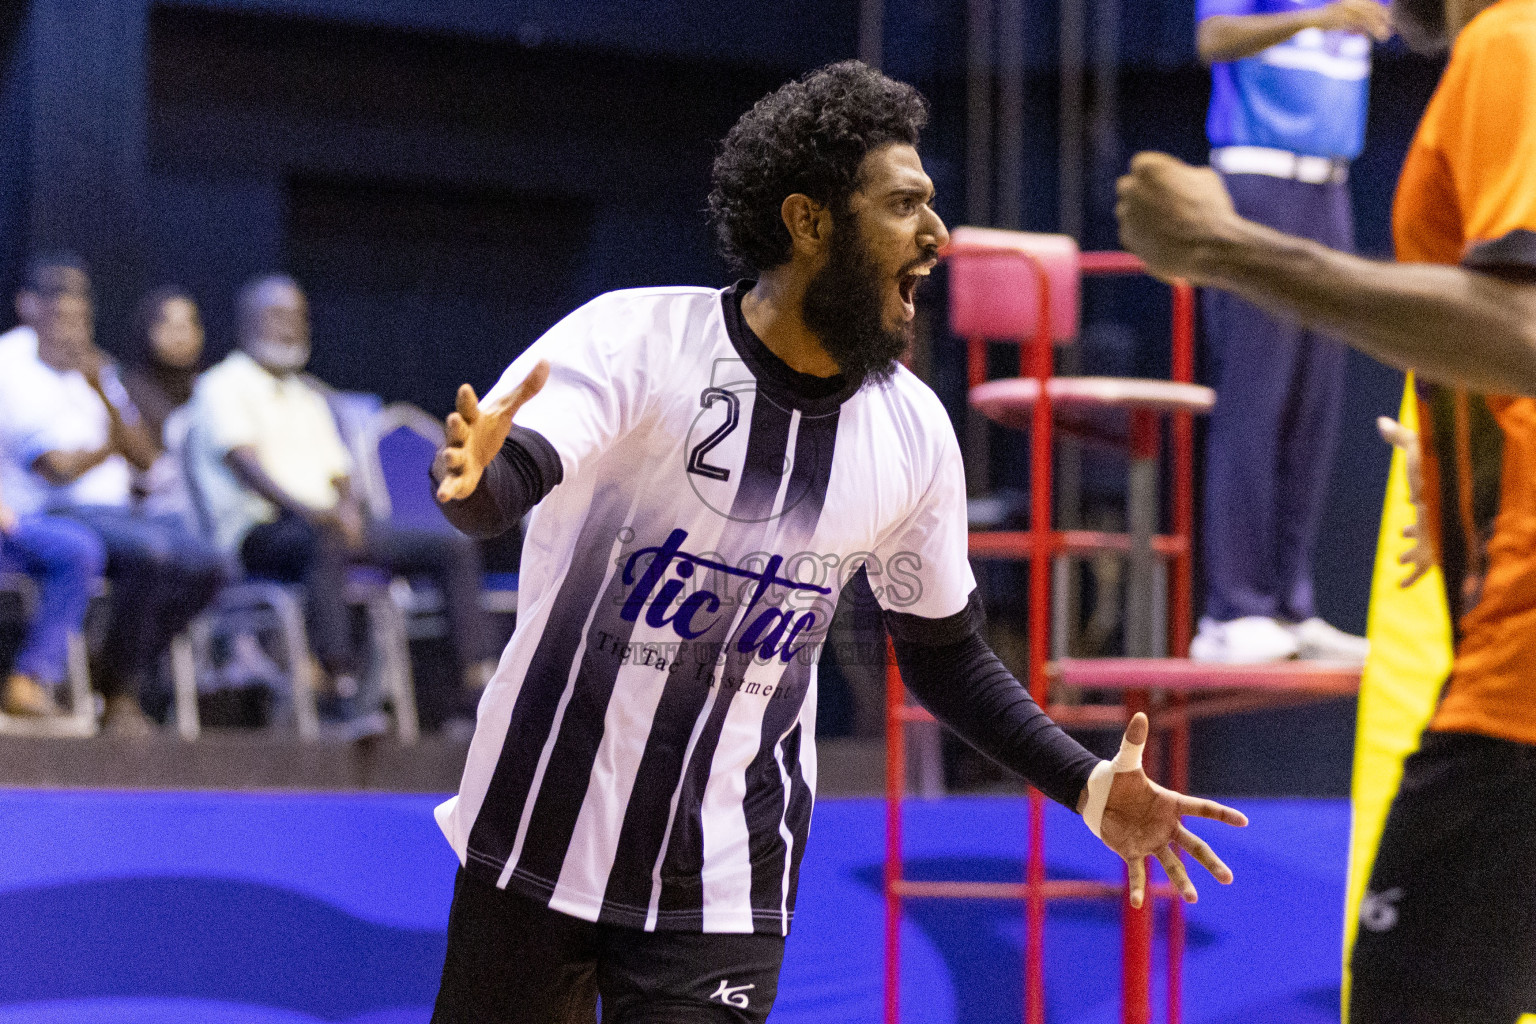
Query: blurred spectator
(167, 352)
(168, 346)
(64, 559)
(71, 425)
(275, 476)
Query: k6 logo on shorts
(732, 995)
(1378, 911)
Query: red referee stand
(1023, 288)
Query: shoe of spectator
(25, 697)
(1318, 641)
(345, 715)
(124, 718)
(1251, 640)
(357, 729)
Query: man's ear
(809, 224)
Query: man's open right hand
(1419, 556)
(476, 432)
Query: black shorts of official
(1448, 925)
(512, 960)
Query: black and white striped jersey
(645, 753)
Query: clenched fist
(1172, 215)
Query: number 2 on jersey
(696, 463)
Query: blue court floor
(230, 908)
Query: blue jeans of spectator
(1269, 448)
(64, 559)
(162, 576)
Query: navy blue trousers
(1269, 448)
(162, 576)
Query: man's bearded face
(845, 307)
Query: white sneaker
(1318, 641)
(1251, 640)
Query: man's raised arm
(1225, 37)
(952, 671)
(1472, 325)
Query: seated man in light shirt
(69, 424)
(275, 478)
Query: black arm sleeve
(526, 469)
(950, 669)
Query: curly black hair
(808, 137)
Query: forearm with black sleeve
(950, 669)
(522, 473)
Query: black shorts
(1448, 925)
(512, 960)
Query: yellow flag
(1410, 634)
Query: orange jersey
(1468, 195)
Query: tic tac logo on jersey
(771, 633)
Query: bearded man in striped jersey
(707, 468)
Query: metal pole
(978, 211)
(1136, 925)
(1010, 113)
(1141, 514)
(1069, 174)
(872, 32)
(895, 787)
(978, 112)
(1035, 359)
(1069, 216)
(1182, 613)
(1104, 126)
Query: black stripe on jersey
(682, 895)
(495, 829)
(815, 442)
(563, 788)
(765, 801)
(686, 692)
(797, 816)
(627, 898)
(763, 465)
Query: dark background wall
(448, 177)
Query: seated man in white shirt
(70, 424)
(275, 480)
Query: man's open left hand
(1171, 214)
(1142, 819)
(475, 432)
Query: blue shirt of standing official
(1288, 105)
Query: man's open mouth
(906, 287)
